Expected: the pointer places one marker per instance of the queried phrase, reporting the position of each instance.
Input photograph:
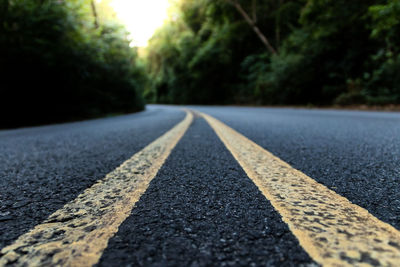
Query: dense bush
(323, 52)
(383, 82)
(57, 65)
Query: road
(202, 187)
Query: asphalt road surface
(205, 204)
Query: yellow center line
(332, 230)
(78, 233)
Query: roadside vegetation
(65, 60)
(277, 52)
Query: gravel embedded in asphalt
(355, 153)
(201, 210)
(42, 168)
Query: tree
(253, 23)
(317, 52)
(57, 65)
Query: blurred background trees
(65, 60)
(318, 52)
(68, 59)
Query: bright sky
(141, 17)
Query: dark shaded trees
(252, 21)
(56, 64)
(318, 52)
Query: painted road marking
(77, 234)
(332, 230)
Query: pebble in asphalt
(200, 210)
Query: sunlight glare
(141, 17)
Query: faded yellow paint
(77, 234)
(332, 230)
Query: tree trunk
(253, 25)
(278, 26)
(96, 20)
(254, 10)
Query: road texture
(201, 208)
(43, 168)
(355, 153)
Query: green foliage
(197, 58)
(56, 65)
(329, 52)
(386, 20)
(383, 85)
(331, 46)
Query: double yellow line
(332, 230)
